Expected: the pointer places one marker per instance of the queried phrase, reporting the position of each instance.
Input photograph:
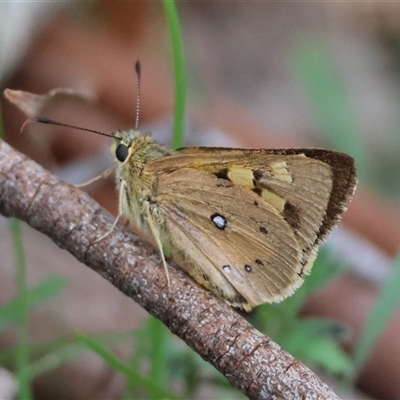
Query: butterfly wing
(228, 238)
(247, 223)
(308, 187)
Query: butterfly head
(123, 144)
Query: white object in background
(8, 385)
(18, 21)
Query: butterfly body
(244, 223)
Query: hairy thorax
(136, 184)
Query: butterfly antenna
(137, 69)
(48, 121)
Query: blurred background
(259, 74)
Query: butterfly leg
(110, 230)
(121, 193)
(104, 175)
(156, 237)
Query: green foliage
(385, 305)
(163, 362)
(332, 110)
(154, 390)
(50, 286)
(315, 341)
(22, 311)
(179, 72)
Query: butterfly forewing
(309, 187)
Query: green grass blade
(329, 100)
(386, 303)
(151, 346)
(54, 353)
(57, 354)
(22, 355)
(179, 72)
(153, 388)
(158, 356)
(139, 357)
(50, 354)
(45, 289)
(317, 342)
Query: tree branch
(250, 361)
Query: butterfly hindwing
(218, 228)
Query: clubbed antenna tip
(137, 69)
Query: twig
(250, 360)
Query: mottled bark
(250, 360)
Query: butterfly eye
(122, 152)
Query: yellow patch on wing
(280, 171)
(273, 199)
(241, 177)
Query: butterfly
(244, 223)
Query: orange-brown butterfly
(244, 223)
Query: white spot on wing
(219, 221)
